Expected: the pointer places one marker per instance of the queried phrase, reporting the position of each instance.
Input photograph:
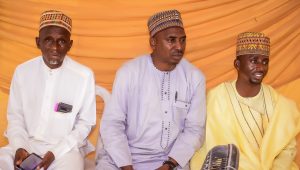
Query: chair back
(105, 95)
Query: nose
(179, 45)
(260, 66)
(54, 45)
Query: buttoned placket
(46, 108)
(165, 103)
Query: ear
(152, 43)
(70, 45)
(237, 64)
(37, 42)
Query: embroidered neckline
(241, 114)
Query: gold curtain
(108, 33)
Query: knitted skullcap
(253, 43)
(55, 18)
(163, 20)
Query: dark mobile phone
(31, 162)
(63, 107)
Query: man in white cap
(51, 107)
(156, 117)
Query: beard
(256, 81)
(53, 62)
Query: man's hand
(20, 155)
(164, 167)
(167, 166)
(128, 167)
(47, 160)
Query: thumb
(19, 161)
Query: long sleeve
(85, 119)
(193, 134)
(16, 131)
(113, 122)
(285, 159)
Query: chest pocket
(181, 105)
(180, 110)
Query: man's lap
(71, 160)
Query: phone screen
(31, 162)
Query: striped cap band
(55, 18)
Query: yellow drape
(108, 33)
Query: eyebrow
(256, 56)
(174, 36)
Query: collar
(150, 61)
(50, 71)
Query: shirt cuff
(120, 158)
(181, 154)
(63, 147)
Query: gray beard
(53, 62)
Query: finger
(19, 157)
(40, 166)
(18, 160)
(46, 165)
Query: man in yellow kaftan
(252, 115)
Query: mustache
(178, 52)
(54, 53)
(261, 72)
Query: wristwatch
(170, 164)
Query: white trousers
(72, 160)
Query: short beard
(53, 62)
(257, 82)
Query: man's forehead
(251, 56)
(54, 29)
(173, 32)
